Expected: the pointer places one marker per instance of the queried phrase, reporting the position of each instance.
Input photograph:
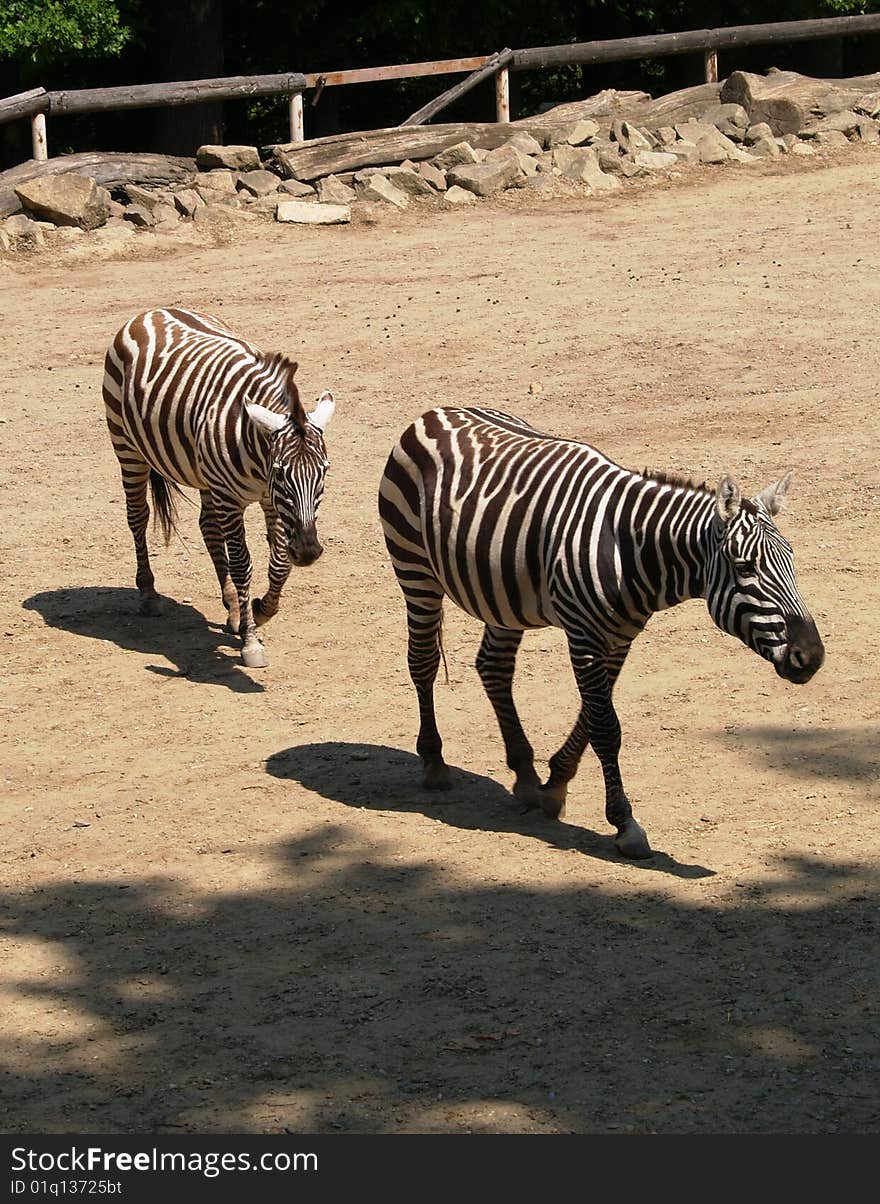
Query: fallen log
(107, 169)
(368, 148)
(785, 99)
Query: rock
(844, 122)
(802, 148)
(765, 147)
(487, 178)
(716, 147)
(631, 138)
(434, 176)
(655, 160)
(686, 151)
(582, 164)
(868, 129)
(310, 213)
(525, 144)
(581, 132)
(220, 180)
(21, 233)
(147, 198)
(693, 130)
(166, 215)
(459, 196)
(730, 119)
(526, 163)
(830, 138)
(331, 190)
(666, 135)
(258, 182)
(140, 216)
(67, 199)
(217, 196)
(380, 188)
(453, 156)
(412, 183)
(114, 209)
(296, 188)
(187, 201)
(236, 158)
(756, 132)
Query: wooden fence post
(710, 59)
(38, 137)
(502, 95)
(297, 133)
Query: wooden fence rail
(39, 103)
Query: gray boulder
(236, 158)
(66, 199)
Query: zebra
(523, 529)
(190, 403)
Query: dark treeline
(111, 42)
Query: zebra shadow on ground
(379, 778)
(199, 650)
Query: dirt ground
(226, 903)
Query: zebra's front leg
(212, 534)
(598, 724)
(496, 661)
(279, 565)
(424, 616)
(241, 570)
(135, 478)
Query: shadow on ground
(389, 779)
(200, 651)
(345, 991)
(846, 753)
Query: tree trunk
(192, 35)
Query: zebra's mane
(677, 478)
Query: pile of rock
(589, 145)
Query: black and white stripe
(189, 403)
(523, 529)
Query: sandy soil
(226, 903)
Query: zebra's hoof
(436, 777)
(551, 800)
(261, 616)
(632, 841)
(254, 656)
(151, 605)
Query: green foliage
(48, 31)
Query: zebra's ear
(323, 411)
(268, 420)
(727, 498)
(773, 497)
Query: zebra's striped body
(523, 529)
(191, 404)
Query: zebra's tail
(442, 649)
(165, 494)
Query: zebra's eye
(746, 568)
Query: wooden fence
(38, 104)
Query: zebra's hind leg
(135, 480)
(496, 661)
(212, 533)
(424, 617)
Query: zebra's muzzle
(304, 551)
(804, 653)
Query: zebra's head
(297, 467)
(751, 590)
